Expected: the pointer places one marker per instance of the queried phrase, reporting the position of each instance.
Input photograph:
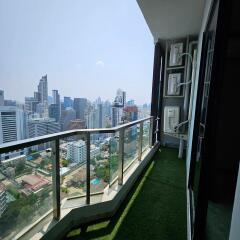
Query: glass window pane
(25, 189)
(73, 156)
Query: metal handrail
(16, 145)
(55, 141)
(55, 138)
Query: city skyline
(77, 63)
(62, 97)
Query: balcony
(117, 183)
(154, 209)
(51, 191)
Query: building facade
(80, 106)
(12, 128)
(67, 116)
(76, 152)
(1, 98)
(54, 112)
(43, 89)
(42, 126)
(68, 102)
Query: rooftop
(34, 182)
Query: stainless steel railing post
(151, 133)
(140, 142)
(88, 168)
(121, 156)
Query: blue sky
(87, 48)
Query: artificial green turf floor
(154, 209)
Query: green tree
(25, 212)
(13, 191)
(65, 162)
(20, 165)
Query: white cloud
(100, 63)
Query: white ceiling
(172, 18)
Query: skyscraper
(67, 115)
(12, 127)
(80, 106)
(10, 103)
(130, 113)
(42, 126)
(117, 111)
(1, 98)
(12, 124)
(121, 97)
(43, 89)
(31, 104)
(56, 97)
(55, 108)
(100, 115)
(117, 107)
(92, 118)
(54, 112)
(42, 109)
(68, 102)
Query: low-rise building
(34, 183)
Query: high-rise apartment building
(120, 97)
(130, 103)
(1, 98)
(56, 97)
(42, 109)
(68, 102)
(54, 112)
(12, 128)
(12, 124)
(117, 113)
(76, 152)
(9, 103)
(117, 107)
(36, 96)
(130, 113)
(31, 104)
(100, 115)
(42, 126)
(80, 106)
(43, 89)
(55, 107)
(92, 118)
(67, 115)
